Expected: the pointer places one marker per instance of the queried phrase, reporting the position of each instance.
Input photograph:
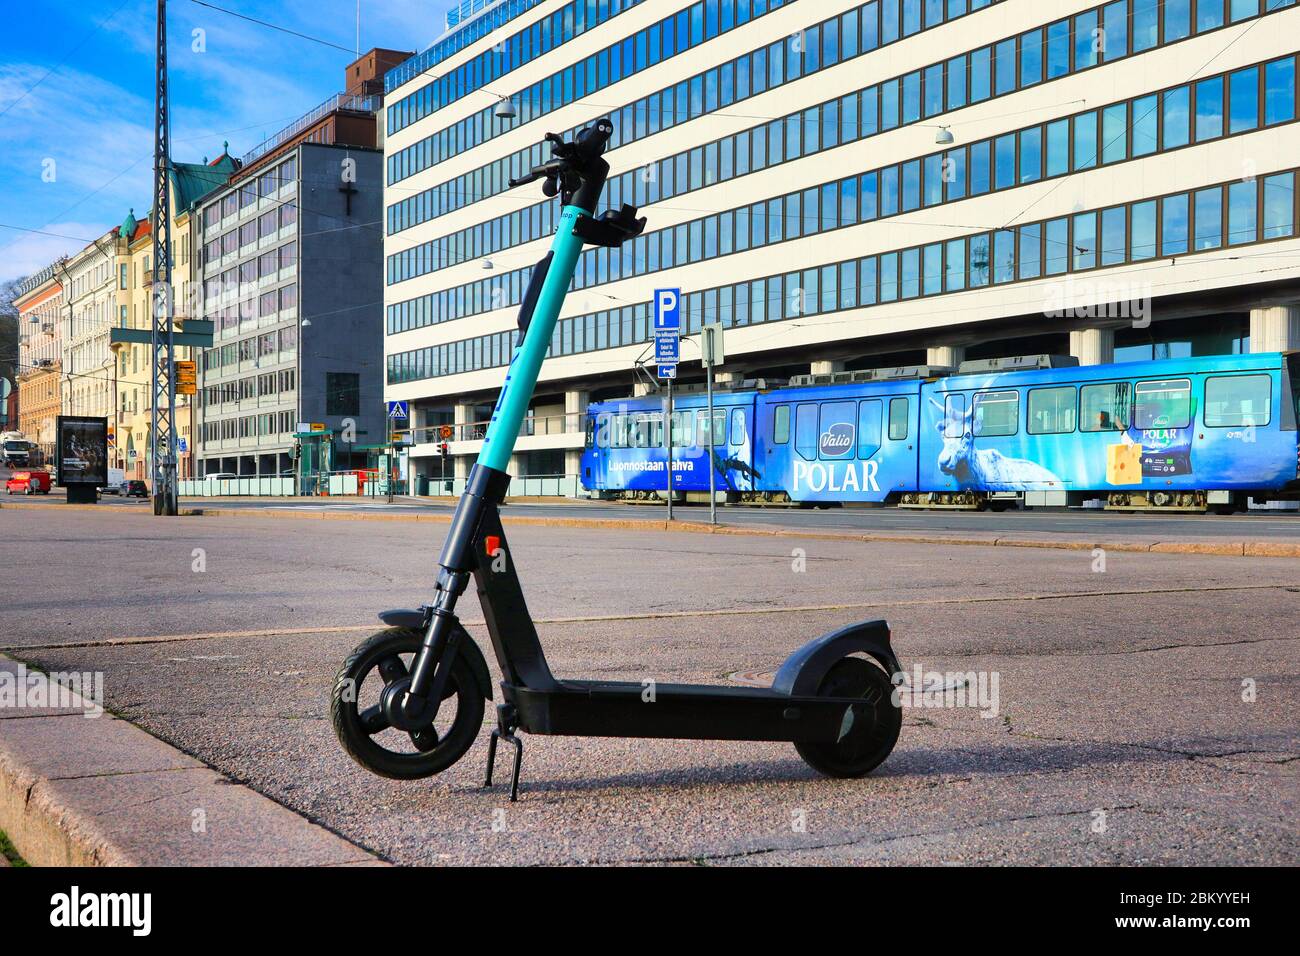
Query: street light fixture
(944, 137)
(505, 109)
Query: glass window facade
(947, 176)
(1066, 244)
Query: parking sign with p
(668, 310)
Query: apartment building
(40, 357)
(843, 185)
(290, 261)
(90, 280)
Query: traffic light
(444, 449)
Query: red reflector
(492, 544)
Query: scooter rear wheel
(870, 729)
(363, 727)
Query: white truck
(17, 450)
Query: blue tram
(1178, 433)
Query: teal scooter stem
(577, 173)
(526, 364)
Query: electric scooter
(833, 698)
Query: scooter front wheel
(363, 726)
(869, 730)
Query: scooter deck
(679, 711)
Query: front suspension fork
(437, 654)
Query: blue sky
(88, 125)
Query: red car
(28, 483)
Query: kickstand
(505, 730)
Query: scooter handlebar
(569, 159)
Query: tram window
(781, 425)
(683, 429)
(835, 439)
(1235, 400)
(954, 416)
(1052, 411)
(805, 431)
(899, 413)
(739, 433)
(870, 413)
(1163, 404)
(1105, 407)
(595, 429)
(618, 431)
(997, 413)
(719, 426)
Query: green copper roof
(127, 229)
(192, 181)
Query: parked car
(220, 476)
(133, 488)
(116, 479)
(28, 483)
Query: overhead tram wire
(273, 26)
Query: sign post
(667, 328)
(711, 355)
(395, 410)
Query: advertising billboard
(82, 451)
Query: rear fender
(802, 672)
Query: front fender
(802, 672)
(417, 620)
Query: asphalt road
(1119, 735)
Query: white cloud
(22, 253)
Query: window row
(251, 306)
(250, 426)
(1110, 134)
(265, 185)
(1229, 401)
(1227, 214)
(276, 345)
(267, 385)
(661, 41)
(816, 431)
(1227, 104)
(690, 428)
(461, 36)
(823, 45)
(505, 56)
(1072, 44)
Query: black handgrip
(547, 170)
(529, 177)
